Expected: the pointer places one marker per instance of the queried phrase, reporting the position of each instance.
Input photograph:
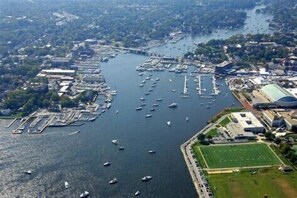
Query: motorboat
(173, 105)
(115, 142)
(147, 93)
(113, 181)
(155, 105)
(84, 194)
(143, 104)
(66, 184)
(152, 109)
(117, 111)
(173, 90)
(141, 85)
(142, 99)
(121, 148)
(187, 119)
(137, 193)
(151, 151)
(168, 123)
(138, 108)
(146, 178)
(148, 115)
(159, 99)
(28, 172)
(107, 164)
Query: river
(58, 155)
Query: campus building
(273, 96)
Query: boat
(150, 90)
(148, 115)
(138, 108)
(143, 104)
(137, 193)
(170, 80)
(84, 194)
(28, 172)
(173, 90)
(152, 109)
(66, 184)
(146, 178)
(121, 148)
(115, 142)
(107, 164)
(117, 111)
(151, 151)
(157, 79)
(141, 85)
(168, 123)
(187, 119)
(159, 99)
(142, 99)
(173, 105)
(147, 93)
(113, 181)
(155, 105)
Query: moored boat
(113, 181)
(84, 194)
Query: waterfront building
(223, 67)
(248, 122)
(273, 96)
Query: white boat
(146, 178)
(29, 172)
(113, 181)
(115, 142)
(141, 85)
(107, 164)
(66, 184)
(173, 105)
(142, 99)
(148, 115)
(138, 108)
(151, 151)
(169, 123)
(155, 105)
(170, 80)
(159, 99)
(187, 119)
(117, 111)
(173, 90)
(137, 193)
(84, 194)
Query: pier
(199, 88)
(11, 123)
(215, 88)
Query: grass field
(239, 155)
(245, 184)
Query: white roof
(247, 120)
(64, 71)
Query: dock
(11, 123)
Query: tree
(277, 141)
(201, 137)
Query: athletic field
(239, 155)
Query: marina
(84, 154)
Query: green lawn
(225, 122)
(212, 132)
(269, 182)
(239, 155)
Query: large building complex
(273, 96)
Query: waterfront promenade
(194, 168)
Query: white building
(248, 122)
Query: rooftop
(277, 93)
